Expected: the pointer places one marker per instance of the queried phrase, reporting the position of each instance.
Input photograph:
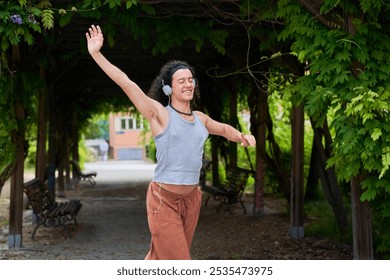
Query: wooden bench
(50, 213)
(83, 176)
(231, 191)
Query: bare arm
(227, 131)
(148, 107)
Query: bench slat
(49, 212)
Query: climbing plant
(345, 46)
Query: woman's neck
(187, 112)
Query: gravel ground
(112, 225)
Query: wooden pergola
(75, 86)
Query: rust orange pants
(172, 222)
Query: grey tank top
(180, 150)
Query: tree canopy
(329, 56)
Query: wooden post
(361, 223)
(40, 166)
(297, 191)
(233, 122)
(258, 205)
(74, 149)
(16, 192)
(261, 136)
(68, 183)
(52, 155)
(214, 158)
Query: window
(128, 123)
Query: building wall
(126, 137)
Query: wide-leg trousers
(172, 220)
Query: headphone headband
(166, 87)
(173, 71)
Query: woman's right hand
(94, 39)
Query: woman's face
(183, 84)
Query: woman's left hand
(248, 140)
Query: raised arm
(227, 131)
(148, 107)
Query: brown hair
(165, 76)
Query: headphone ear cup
(167, 90)
(194, 82)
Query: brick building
(128, 138)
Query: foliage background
(344, 47)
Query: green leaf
(368, 195)
(48, 19)
(385, 162)
(65, 19)
(29, 38)
(4, 15)
(376, 134)
(22, 3)
(130, 3)
(114, 3)
(149, 9)
(44, 4)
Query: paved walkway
(122, 170)
(108, 172)
(113, 226)
(112, 222)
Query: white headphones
(168, 90)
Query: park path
(113, 226)
(112, 221)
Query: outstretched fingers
(93, 32)
(95, 39)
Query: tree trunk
(75, 140)
(213, 108)
(233, 120)
(297, 190)
(275, 162)
(312, 187)
(17, 181)
(40, 165)
(259, 114)
(214, 159)
(61, 144)
(328, 178)
(53, 148)
(361, 223)
(68, 183)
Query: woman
(173, 198)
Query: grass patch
(3, 223)
(321, 221)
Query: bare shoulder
(213, 126)
(202, 116)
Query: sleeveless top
(180, 150)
